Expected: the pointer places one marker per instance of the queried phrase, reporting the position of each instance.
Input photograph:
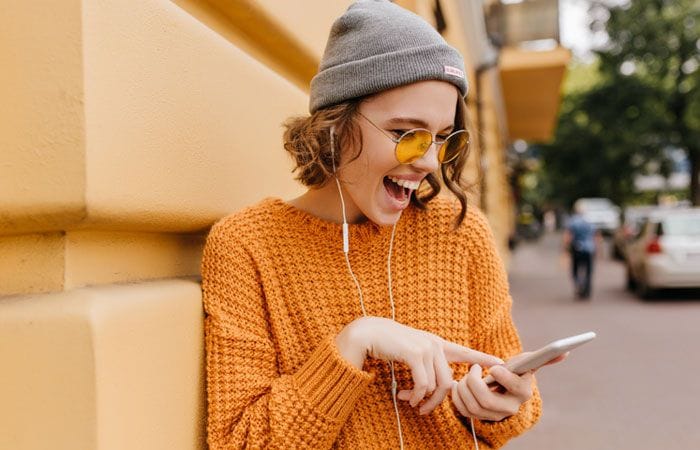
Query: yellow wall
(108, 367)
(126, 130)
(42, 119)
(497, 196)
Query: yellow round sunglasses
(414, 143)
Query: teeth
(412, 185)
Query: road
(637, 386)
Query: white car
(633, 218)
(603, 214)
(666, 252)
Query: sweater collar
(362, 231)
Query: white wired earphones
(346, 251)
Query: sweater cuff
(329, 382)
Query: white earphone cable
(393, 317)
(476, 441)
(346, 237)
(346, 251)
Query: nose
(429, 161)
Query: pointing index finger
(459, 353)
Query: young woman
(362, 314)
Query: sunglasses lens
(413, 145)
(453, 146)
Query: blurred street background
(636, 385)
(626, 156)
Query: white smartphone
(547, 353)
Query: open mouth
(399, 193)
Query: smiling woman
(318, 333)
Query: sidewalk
(635, 387)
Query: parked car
(632, 218)
(603, 214)
(666, 252)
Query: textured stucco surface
(109, 367)
(42, 130)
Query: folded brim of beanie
(386, 71)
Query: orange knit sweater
(277, 291)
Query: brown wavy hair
(307, 140)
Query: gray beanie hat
(377, 45)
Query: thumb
(459, 353)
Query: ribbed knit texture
(377, 45)
(277, 291)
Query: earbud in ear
(332, 144)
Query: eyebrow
(413, 121)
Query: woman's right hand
(426, 354)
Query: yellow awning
(531, 82)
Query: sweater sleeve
(250, 404)
(491, 325)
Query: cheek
(375, 160)
(355, 170)
(379, 157)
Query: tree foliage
(646, 101)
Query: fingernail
(477, 367)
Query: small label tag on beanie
(454, 71)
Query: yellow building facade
(126, 130)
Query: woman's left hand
(474, 398)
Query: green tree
(647, 100)
(596, 151)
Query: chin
(384, 219)
(380, 210)
(385, 214)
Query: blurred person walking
(580, 241)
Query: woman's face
(369, 182)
